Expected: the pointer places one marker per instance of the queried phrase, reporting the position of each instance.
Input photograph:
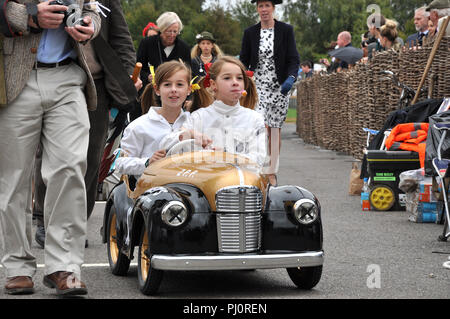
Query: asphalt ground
(368, 255)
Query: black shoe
(40, 235)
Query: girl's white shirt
(141, 139)
(234, 129)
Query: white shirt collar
(223, 108)
(155, 116)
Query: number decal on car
(187, 173)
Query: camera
(72, 16)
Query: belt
(38, 64)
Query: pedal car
(211, 211)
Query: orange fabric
(409, 137)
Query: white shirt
(141, 139)
(234, 129)
(168, 50)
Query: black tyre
(305, 277)
(149, 278)
(118, 262)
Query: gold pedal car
(210, 210)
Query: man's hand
(49, 16)
(82, 33)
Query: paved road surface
(358, 245)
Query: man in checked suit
(49, 91)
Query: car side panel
(281, 231)
(197, 235)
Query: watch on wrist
(32, 10)
(147, 162)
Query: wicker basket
(334, 108)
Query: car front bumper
(235, 262)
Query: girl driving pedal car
(227, 124)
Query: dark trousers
(99, 120)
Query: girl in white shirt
(141, 138)
(226, 124)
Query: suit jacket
(413, 39)
(151, 50)
(287, 59)
(20, 51)
(115, 32)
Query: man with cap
(439, 9)
(205, 51)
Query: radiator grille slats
(239, 219)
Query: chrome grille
(239, 200)
(239, 219)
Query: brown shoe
(19, 285)
(65, 283)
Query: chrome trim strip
(235, 262)
(240, 173)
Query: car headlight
(174, 213)
(306, 211)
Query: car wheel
(149, 278)
(305, 277)
(118, 262)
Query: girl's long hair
(201, 98)
(165, 71)
(196, 51)
(251, 98)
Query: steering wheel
(184, 146)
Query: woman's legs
(274, 135)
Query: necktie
(421, 35)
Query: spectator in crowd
(388, 34)
(150, 29)
(421, 18)
(307, 69)
(49, 91)
(344, 39)
(374, 25)
(334, 64)
(163, 47)
(205, 51)
(275, 71)
(366, 39)
(438, 9)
